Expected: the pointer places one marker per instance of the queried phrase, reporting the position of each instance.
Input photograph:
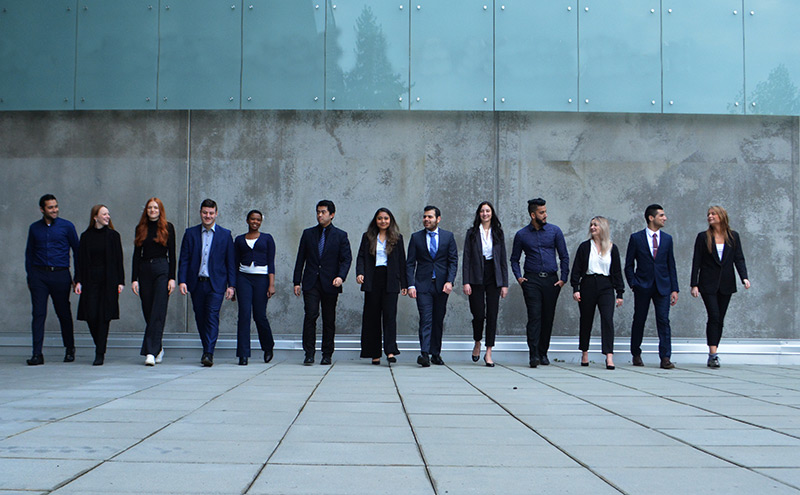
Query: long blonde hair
(723, 227)
(604, 233)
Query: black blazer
(709, 273)
(420, 265)
(396, 277)
(335, 261)
(472, 268)
(581, 264)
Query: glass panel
(367, 55)
(536, 55)
(703, 56)
(283, 54)
(772, 57)
(200, 54)
(620, 56)
(451, 55)
(37, 55)
(117, 54)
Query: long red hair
(162, 234)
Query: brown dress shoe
(637, 361)
(666, 363)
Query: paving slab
(39, 474)
(518, 481)
(348, 453)
(200, 451)
(341, 480)
(643, 456)
(716, 481)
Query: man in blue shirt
(540, 282)
(47, 268)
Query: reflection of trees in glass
(777, 95)
(371, 83)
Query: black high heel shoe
(610, 366)
(490, 365)
(391, 359)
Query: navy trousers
(432, 308)
(641, 306)
(206, 304)
(251, 292)
(57, 285)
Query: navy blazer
(472, 267)
(221, 259)
(711, 274)
(335, 261)
(262, 254)
(642, 271)
(420, 265)
(395, 266)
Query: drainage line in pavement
(501, 406)
(413, 432)
(271, 454)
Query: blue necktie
(321, 245)
(432, 249)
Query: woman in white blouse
(485, 276)
(255, 284)
(596, 275)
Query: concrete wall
(283, 162)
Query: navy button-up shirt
(540, 247)
(49, 245)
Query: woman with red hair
(153, 278)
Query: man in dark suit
(650, 271)
(323, 260)
(207, 269)
(432, 264)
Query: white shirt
(650, 235)
(486, 242)
(380, 253)
(720, 249)
(598, 264)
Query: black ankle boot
(98, 360)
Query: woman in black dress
(485, 276)
(381, 271)
(153, 275)
(99, 278)
(716, 251)
(596, 275)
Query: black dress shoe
(326, 360)
(207, 360)
(543, 360)
(376, 362)
(98, 360)
(268, 356)
(437, 359)
(35, 360)
(69, 356)
(666, 364)
(423, 360)
(490, 365)
(242, 361)
(391, 359)
(637, 361)
(309, 360)
(534, 362)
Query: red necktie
(655, 245)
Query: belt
(52, 268)
(595, 275)
(202, 279)
(545, 274)
(153, 260)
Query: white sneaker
(149, 360)
(160, 356)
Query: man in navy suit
(650, 271)
(207, 269)
(432, 263)
(323, 260)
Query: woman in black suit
(596, 275)
(99, 278)
(485, 276)
(381, 272)
(716, 251)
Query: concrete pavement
(352, 428)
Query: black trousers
(154, 296)
(99, 331)
(484, 304)
(597, 292)
(312, 300)
(380, 313)
(56, 285)
(716, 307)
(541, 295)
(96, 319)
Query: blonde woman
(716, 251)
(596, 276)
